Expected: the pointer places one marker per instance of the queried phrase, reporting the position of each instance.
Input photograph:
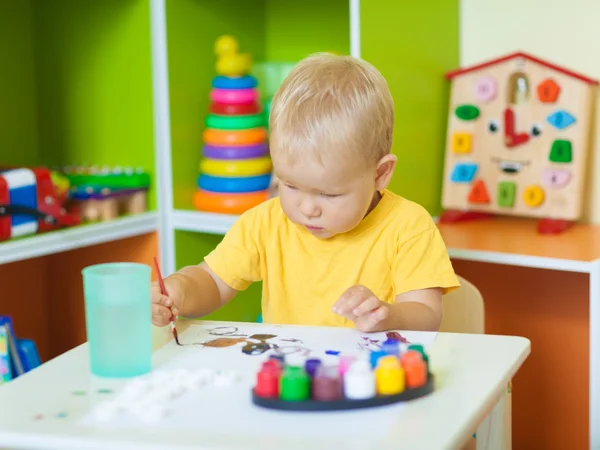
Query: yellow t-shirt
(396, 248)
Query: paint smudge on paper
(368, 344)
(332, 352)
(394, 335)
(255, 344)
(79, 393)
(223, 342)
(105, 391)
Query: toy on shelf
(101, 194)
(235, 171)
(31, 203)
(518, 142)
(386, 376)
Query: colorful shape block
(467, 112)
(533, 196)
(463, 172)
(561, 151)
(485, 89)
(479, 193)
(461, 142)
(506, 194)
(548, 91)
(560, 119)
(556, 178)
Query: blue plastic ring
(234, 184)
(245, 82)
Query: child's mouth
(313, 228)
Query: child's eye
(330, 195)
(290, 186)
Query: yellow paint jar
(389, 376)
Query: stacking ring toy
(228, 203)
(245, 82)
(239, 152)
(235, 122)
(234, 184)
(234, 95)
(250, 136)
(236, 167)
(234, 109)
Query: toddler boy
(336, 248)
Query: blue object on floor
(259, 318)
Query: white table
(472, 374)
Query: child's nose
(309, 209)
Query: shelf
(77, 237)
(516, 242)
(501, 241)
(202, 222)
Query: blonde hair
(332, 106)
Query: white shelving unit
(77, 237)
(202, 222)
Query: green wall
(414, 44)
(76, 83)
(17, 84)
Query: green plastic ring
(234, 122)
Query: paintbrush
(163, 290)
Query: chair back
(464, 310)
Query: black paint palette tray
(345, 404)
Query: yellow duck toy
(230, 63)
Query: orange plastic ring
(250, 136)
(228, 203)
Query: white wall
(565, 32)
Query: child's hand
(361, 306)
(164, 308)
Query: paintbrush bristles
(175, 335)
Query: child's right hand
(165, 307)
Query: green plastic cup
(118, 319)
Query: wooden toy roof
(461, 71)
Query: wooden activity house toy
(518, 138)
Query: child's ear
(385, 170)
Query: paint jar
(389, 376)
(375, 356)
(327, 384)
(118, 319)
(311, 366)
(294, 384)
(391, 347)
(419, 348)
(359, 380)
(267, 380)
(345, 363)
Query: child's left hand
(361, 306)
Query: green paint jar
(294, 385)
